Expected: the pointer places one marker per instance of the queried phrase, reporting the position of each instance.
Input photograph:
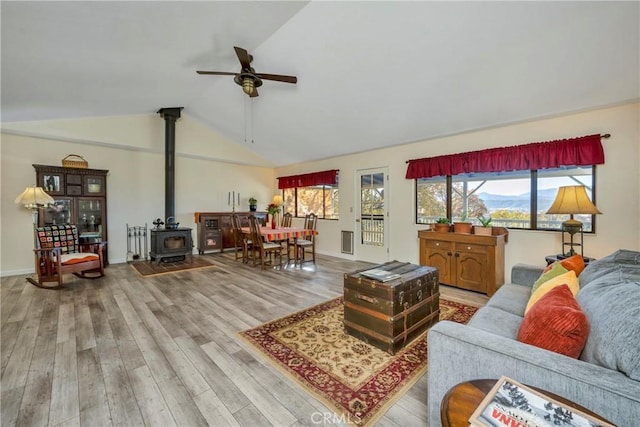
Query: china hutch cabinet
(80, 198)
(215, 231)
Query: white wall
(208, 166)
(132, 149)
(618, 184)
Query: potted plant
(462, 226)
(253, 204)
(441, 225)
(486, 228)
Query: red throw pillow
(556, 323)
(575, 263)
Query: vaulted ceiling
(370, 74)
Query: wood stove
(171, 245)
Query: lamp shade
(247, 85)
(32, 197)
(573, 200)
(277, 200)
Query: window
(322, 200)
(516, 199)
(548, 182)
(431, 196)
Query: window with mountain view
(516, 199)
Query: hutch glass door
(90, 219)
(61, 212)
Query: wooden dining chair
(309, 242)
(240, 240)
(260, 248)
(287, 220)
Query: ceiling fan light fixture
(247, 85)
(247, 77)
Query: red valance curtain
(582, 151)
(308, 179)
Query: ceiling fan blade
(278, 78)
(254, 93)
(243, 56)
(217, 73)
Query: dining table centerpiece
(273, 209)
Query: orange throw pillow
(574, 263)
(556, 323)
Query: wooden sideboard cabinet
(215, 232)
(80, 197)
(467, 261)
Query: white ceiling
(370, 74)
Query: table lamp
(572, 200)
(277, 200)
(34, 198)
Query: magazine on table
(380, 275)
(512, 404)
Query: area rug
(148, 268)
(357, 381)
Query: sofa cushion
(511, 298)
(612, 305)
(575, 263)
(496, 321)
(625, 262)
(77, 258)
(549, 273)
(569, 278)
(556, 323)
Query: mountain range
(520, 202)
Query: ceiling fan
(247, 77)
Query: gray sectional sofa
(606, 377)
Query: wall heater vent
(347, 242)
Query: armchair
(58, 252)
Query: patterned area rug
(148, 268)
(357, 381)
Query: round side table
(459, 403)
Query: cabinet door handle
(449, 253)
(457, 254)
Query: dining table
(280, 234)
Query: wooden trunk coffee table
(389, 314)
(462, 400)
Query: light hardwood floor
(160, 351)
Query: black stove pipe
(170, 115)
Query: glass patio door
(372, 216)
